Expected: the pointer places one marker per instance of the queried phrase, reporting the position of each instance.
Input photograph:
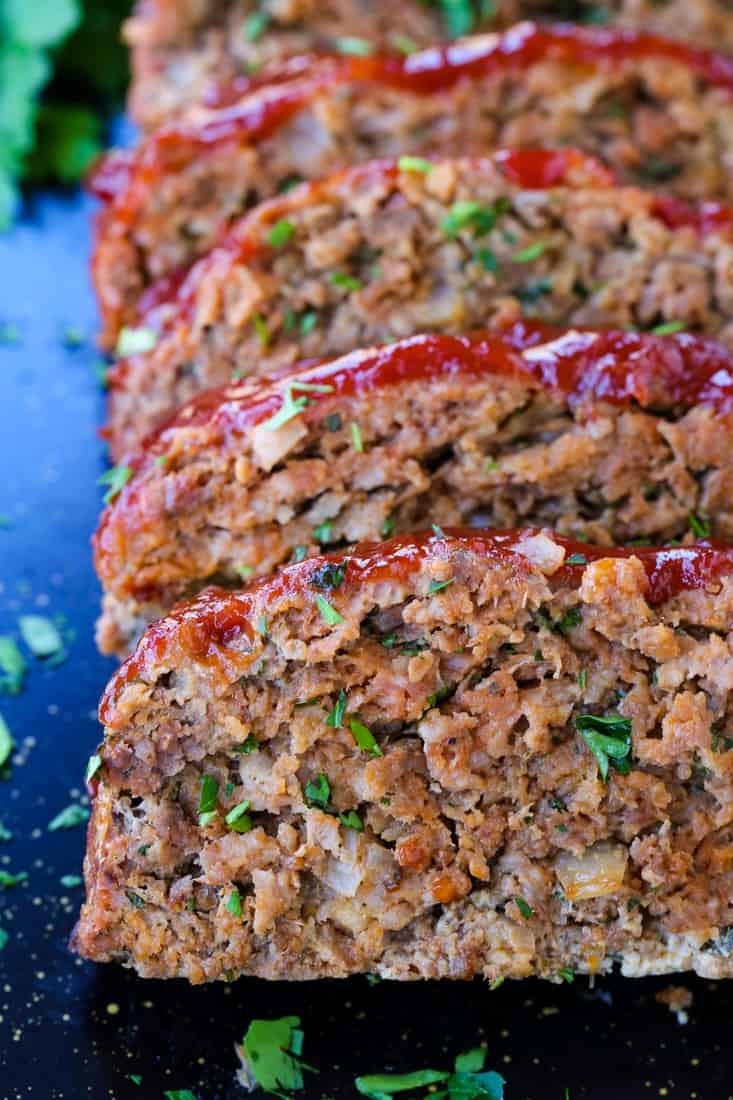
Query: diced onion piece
(599, 871)
(270, 446)
(542, 551)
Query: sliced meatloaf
(656, 110)
(608, 436)
(481, 753)
(180, 49)
(380, 252)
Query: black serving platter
(70, 1030)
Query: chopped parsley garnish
(658, 169)
(116, 478)
(330, 615)
(437, 531)
(70, 882)
(356, 47)
(41, 636)
(300, 553)
(531, 252)
(414, 164)
(294, 406)
(308, 322)
(387, 528)
(668, 328)
(12, 666)
(330, 575)
(255, 25)
(356, 440)
(5, 834)
(524, 908)
(583, 679)
(438, 586)
(318, 792)
(487, 259)
(336, 718)
(476, 217)
(94, 763)
(559, 804)
(346, 282)
(352, 821)
(577, 559)
(699, 526)
(162, 460)
(322, 533)
(262, 329)
(244, 571)
(272, 1049)
(378, 1086)
(135, 341)
(281, 233)
(4, 937)
(207, 800)
(364, 737)
(136, 1078)
(69, 818)
(571, 618)
(135, 899)
(251, 744)
(333, 422)
(567, 974)
(261, 626)
(609, 739)
(234, 903)
(7, 880)
(531, 293)
(468, 1081)
(238, 819)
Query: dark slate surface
(70, 1030)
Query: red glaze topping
(203, 629)
(238, 118)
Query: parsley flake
(473, 216)
(414, 164)
(438, 586)
(69, 818)
(531, 252)
(207, 800)
(351, 820)
(355, 47)
(524, 908)
(281, 233)
(336, 718)
(356, 440)
(41, 636)
(668, 328)
(7, 880)
(116, 478)
(364, 737)
(577, 559)
(234, 903)
(699, 526)
(318, 792)
(271, 1049)
(330, 615)
(346, 282)
(238, 819)
(609, 739)
(251, 744)
(12, 666)
(93, 765)
(330, 575)
(70, 882)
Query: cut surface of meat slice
(493, 753)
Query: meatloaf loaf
(658, 111)
(385, 251)
(180, 49)
(608, 436)
(473, 753)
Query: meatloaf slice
(478, 753)
(382, 252)
(180, 49)
(607, 436)
(656, 110)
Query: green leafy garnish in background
(62, 67)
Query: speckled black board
(70, 1030)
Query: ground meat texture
(410, 732)
(376, 254)
(657, 112)
(180, 50)
(609, 437)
